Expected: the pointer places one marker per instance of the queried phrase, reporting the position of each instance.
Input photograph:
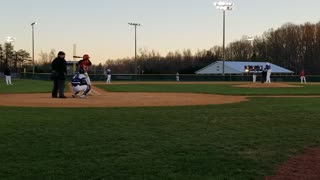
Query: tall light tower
(74, 66)
(33, 65)
(224, 6)
(251, 40)
(135, 43)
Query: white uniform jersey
(81, 79)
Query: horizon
(167, 26)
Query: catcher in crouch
(81, 83)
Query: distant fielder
(81, 84)
(178, 77)
(109, 76)
(254, 75)
(303, 77)
(269, 70)
(7, 74)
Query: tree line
(294, 47)
(12, 58)
(291, 46)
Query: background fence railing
(172, 77)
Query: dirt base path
(170, 82)
(265, 85)
(101, 98)
(304, 167)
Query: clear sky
(100, 27)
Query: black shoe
(63, 97)
(54, 97)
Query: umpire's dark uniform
(59, 72)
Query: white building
(237, 67)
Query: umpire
(59, 73)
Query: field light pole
(135, 43)
(33, 65)
(224, 6)
(251, 40)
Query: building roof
(238, 67)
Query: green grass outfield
(28, 86)
(225, 89)
(237, 141)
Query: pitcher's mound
(265, 85)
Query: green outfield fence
(172, 77)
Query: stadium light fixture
(250, 38)
(10, 39)
(221, 5)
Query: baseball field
(152, 130)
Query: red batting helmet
(86, 56)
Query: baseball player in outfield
(178, 77)
(303, 77)
(269, 71)
(109, 76)
(254, 75)
(7, 74)
(81, 84)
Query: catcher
(81, 83)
